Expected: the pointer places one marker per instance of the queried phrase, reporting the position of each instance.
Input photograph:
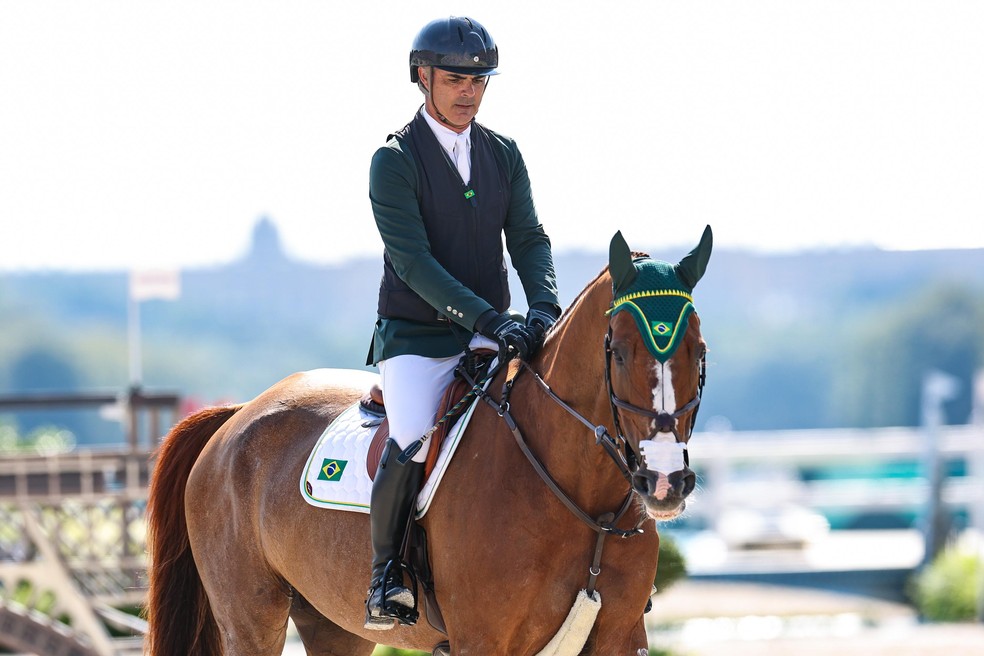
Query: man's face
(455, 96)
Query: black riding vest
(464, 234)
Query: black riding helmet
(457, 44)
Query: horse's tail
(178, 613)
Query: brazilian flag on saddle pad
(331, 469)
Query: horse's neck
(573, 358)
(572, 363)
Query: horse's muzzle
(662, 494)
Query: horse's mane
(590, 286)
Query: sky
(139, 135)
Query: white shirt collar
(445, 135)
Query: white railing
(721, 457)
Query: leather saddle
(373, 403)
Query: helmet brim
(468, 70)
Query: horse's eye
(618, 354)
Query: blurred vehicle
(787, 525)
(761, 508)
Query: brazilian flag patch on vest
(331, 470)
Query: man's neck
(431, 110)
(441, 128)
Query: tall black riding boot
(394, 493)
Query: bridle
(618, 448)
(666, 422)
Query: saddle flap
(455, 392)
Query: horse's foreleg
(618, 641)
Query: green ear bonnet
(657, 294)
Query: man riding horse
(444, 191)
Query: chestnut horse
(235, 550)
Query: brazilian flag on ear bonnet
(657, 294)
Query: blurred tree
(949, 588)
(941, 327)
(45, 369)
(800, 341)
(672, 566)
(785, 388)
(54, 368)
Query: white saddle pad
(335, 475)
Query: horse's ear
(691, 267)
(620, 262)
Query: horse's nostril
(645, 482)
(683, 482)
(689, 483)
(678, 484)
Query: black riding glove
(513, 337)
(541, 316)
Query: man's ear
(422, 72)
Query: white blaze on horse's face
(664, 397)
(663, 453)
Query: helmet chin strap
(430, 100)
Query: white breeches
(412, 387)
